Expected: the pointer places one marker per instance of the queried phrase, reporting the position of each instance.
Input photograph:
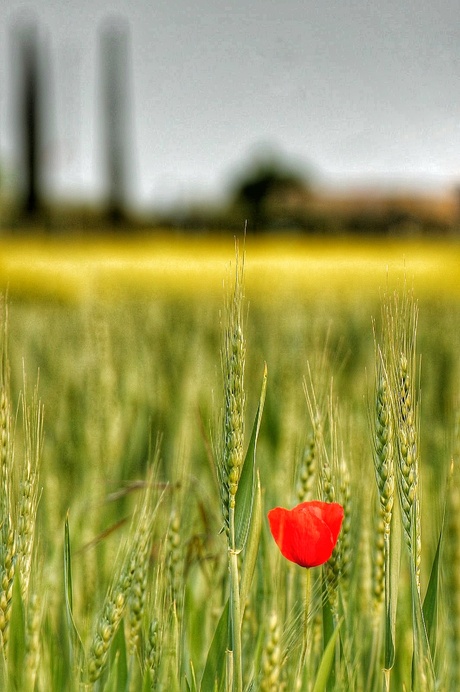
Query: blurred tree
(264, 186)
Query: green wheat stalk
(231, 458)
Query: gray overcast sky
(363, 91)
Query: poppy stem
(307, 605)
(305, 623)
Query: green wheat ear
(230, 458)
(18, 492)
(397, 375)
(309, 464)
(404, 378)
(384, 443)
(7, 532)
(28, 487)
(128, 579)
(271, 680)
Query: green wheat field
(157, 399)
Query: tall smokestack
(115, 58)
(30, 118)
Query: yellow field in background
(275, 266)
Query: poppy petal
(330, 512)
(307, 533)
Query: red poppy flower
(307, 533)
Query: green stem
(374, 665)
(302, 673)
(307, 610)
(229, 659)
(386, 680)
(235, 608)
(388, 624)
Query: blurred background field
(276, 266)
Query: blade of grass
(392, 570)
(252, 547)
(327, 661)
(423, 677)
(214, 670)
(193, 686)
(246, 487)
(431, 600)
(118, 668)
(76, 649)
